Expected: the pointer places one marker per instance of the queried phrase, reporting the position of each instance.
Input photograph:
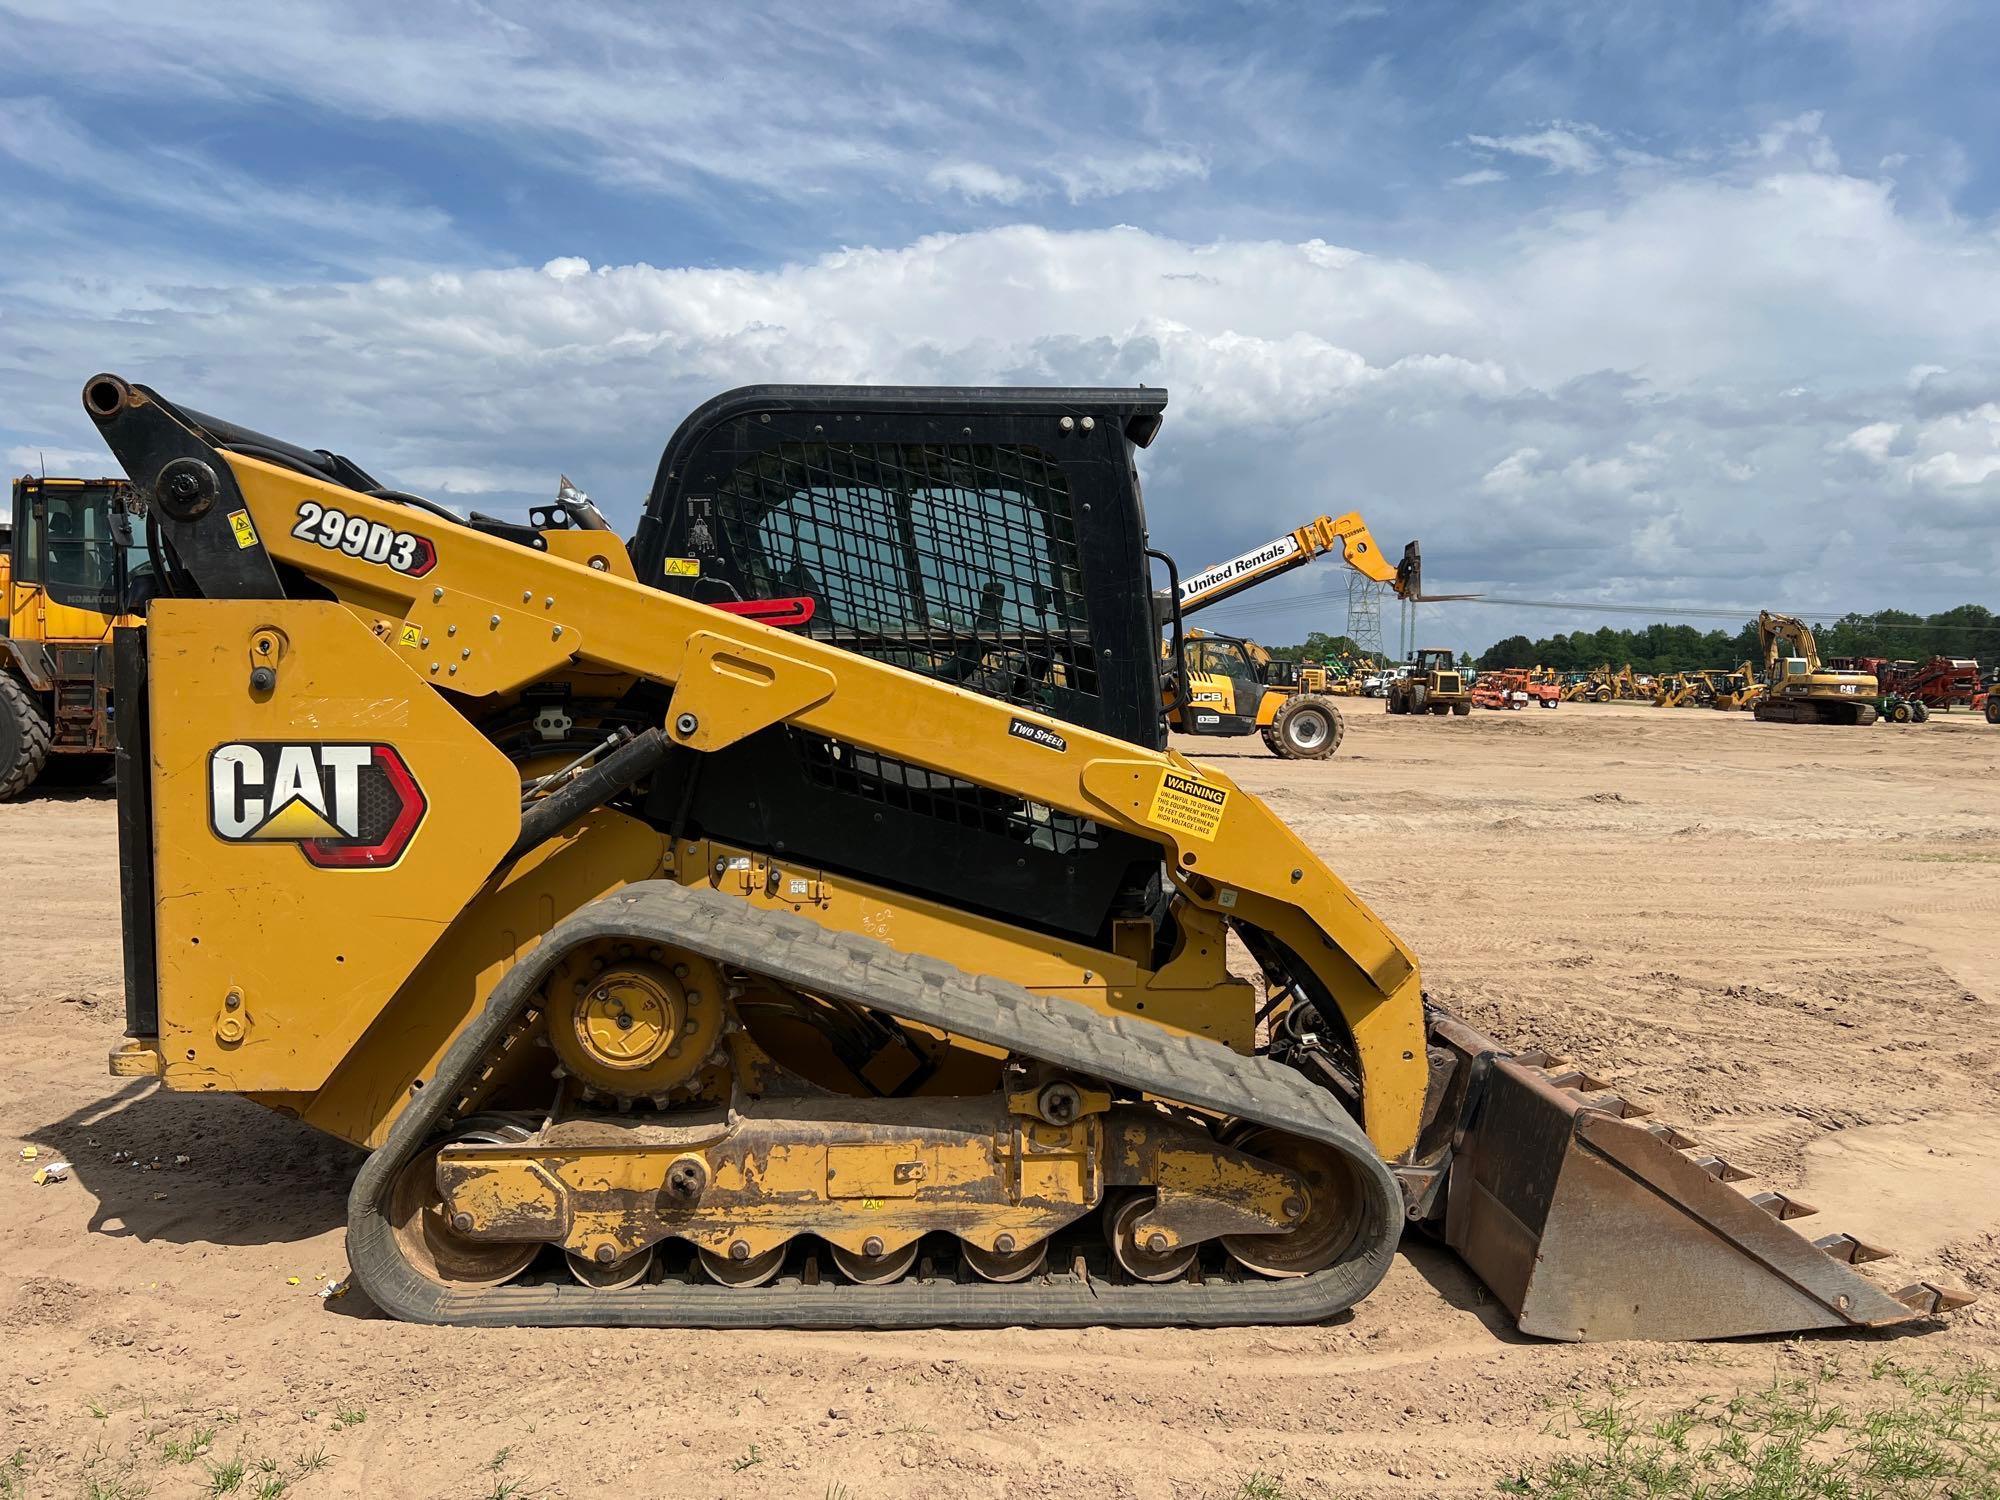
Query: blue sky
(1622, 302)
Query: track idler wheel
(877, 1269)
(1332, 1215)
(436, 1250)
(1154, 1261)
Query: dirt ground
(1777, 936)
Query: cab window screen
(82, 555)
(955, 560)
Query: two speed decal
(371, 541)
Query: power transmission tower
(1364, 613)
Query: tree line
(1969, 630)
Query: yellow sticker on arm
(246, 534)
(410, 636)
(1186, 804)
(681, 567)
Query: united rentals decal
(1208, 580)
(347, 807)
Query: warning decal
(681, 567)
(246, 533)
(1188, 805)
(411, 637)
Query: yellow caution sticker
(246, 534)
(681, 567)
(412, 637)
(1188, 805)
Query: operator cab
(1224, 686)
(993, 538)
(73, 538)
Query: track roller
(1150, 1262)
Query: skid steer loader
(794, 917)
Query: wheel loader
(1433, 685)
(795, 917)
(66, 558)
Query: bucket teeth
(1726, 1171)
(1848, 1250)
(1927, 1299)
(1536, 1057)
(1781, 1206)
(1606, 1102)
(1666, 1135)
(1576, 1080)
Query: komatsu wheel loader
(795, 917)
(66, 558)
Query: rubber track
(35, 733)
(1129, 1054)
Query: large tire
(24, 738)
(1900, 714)
(1993, 708)
(1461, 710)
(1307, 727)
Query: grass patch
(348, 1416)
(226, 1478)
(1921, 1434)
(749, 1460)
(186, 1450)
(1260, 1486)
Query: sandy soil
(1776, 935)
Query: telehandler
(1221, 685)
(869, 968)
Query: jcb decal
(347, 807)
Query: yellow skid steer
(794, 916)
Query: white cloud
(1872, 442)
(1589, 402)
(1137, 172)
(1479, 178)
(976, 182)
(1561, 146)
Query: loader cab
(71, 557)
(992, 538)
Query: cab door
(1223, 689)
(76, 559)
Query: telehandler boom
(615, 921)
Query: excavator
(1221, 685)
(795, 916)
(1801, 689)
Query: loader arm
(1347, 535)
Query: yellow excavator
(796, 917)
(1800, 688)
(1222, 685)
